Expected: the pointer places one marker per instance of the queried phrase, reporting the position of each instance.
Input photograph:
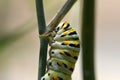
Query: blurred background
(19, 38)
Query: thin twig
(88, 40)
(60, 15)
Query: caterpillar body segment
(54, 75)
(67, 35)
(72, 45)
(64, 51)
(61, 66)
(69, 55)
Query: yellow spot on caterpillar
(68, 67)
(66, 42)
(60, 63)
(55, 77)
(72, 30)
(76, 43)
(65, 33)
(65, 79)
(62, 52)
(65, 25)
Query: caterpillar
(64, 51)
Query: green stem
(43, 41)
(88, 40)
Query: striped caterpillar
(64, 51)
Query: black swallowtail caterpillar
(65, 47)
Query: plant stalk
(43, 41)
(88, 39)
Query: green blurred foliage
(14, 19)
